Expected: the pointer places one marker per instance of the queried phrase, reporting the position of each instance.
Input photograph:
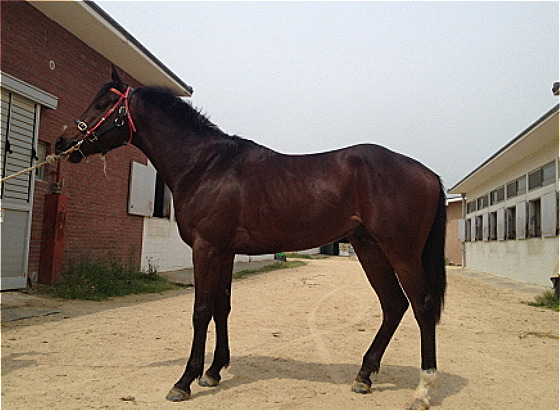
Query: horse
(234, 196)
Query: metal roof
(457, 189)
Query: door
(18, 137)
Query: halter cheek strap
(124, 111)
(125, 97)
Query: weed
(87, 279)
(546, 300)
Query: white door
(18, 137)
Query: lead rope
(51, 158)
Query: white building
(510, 207)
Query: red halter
(124, 111)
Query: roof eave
(462, 185)
(88, 22)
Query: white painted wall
(530, 260)
(163, 248)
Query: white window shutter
(141, 191)
(462, 227)
(485, 226)
(549, 214)
(521, 220)
(501, 224)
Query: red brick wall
(97, 220)
(452, 245)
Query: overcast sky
(448, 84)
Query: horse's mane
(180, 111)
(184, 114)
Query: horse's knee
(202, 315)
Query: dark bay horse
(233, 196)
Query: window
(510, 223)
(511, 189)
(548, 173)
(493, 223)
(471, 207)
(40, 156)
(482, 202)
(478, 228)
(542, 176)
(521, 184)
(162, 202)
(535, 179)
(535, 218)
(497, 196)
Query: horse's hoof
(361, 388)
(177, 395)
(418, 404)
(207, 381)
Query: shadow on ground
(249, 369)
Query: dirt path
(297, 338)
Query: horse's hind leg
(222, 308)
(393, 302)
(414, 282)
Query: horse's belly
(271, 238)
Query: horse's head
(106, 123)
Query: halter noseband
(90, 133)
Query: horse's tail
(433, 255)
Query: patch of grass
(276, 266)
(86, 279)
(546, 300)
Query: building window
(510, 223)
(535, 218)
(542, 176)
(41, 156)
(497, 196)
(535, 179)
(493, 222)
(478, 228)
(521, 184)
(482, 202)
(468, 230)
(511, 189)
(471, 207)
(162, 201)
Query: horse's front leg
(207, 262)
(222, 308)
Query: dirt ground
(297, 339)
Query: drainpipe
(51, 256)
(464, 217)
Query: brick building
(55, 56)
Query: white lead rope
(51, 158)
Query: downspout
(464, 217)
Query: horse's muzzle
(61, 144)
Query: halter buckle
(81, 126)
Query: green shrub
(86, 279)
(546, 300)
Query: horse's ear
(115, 77)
